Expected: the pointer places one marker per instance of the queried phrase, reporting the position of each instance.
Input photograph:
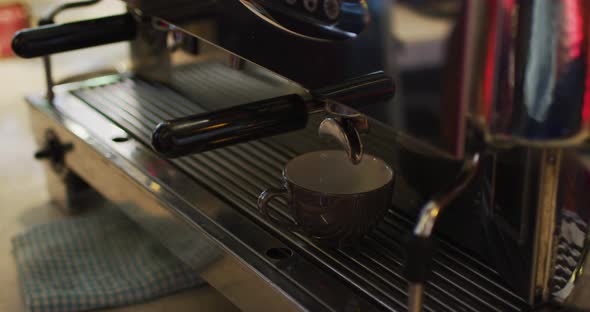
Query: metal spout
(345, 126)
(346, 134)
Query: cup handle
(265, 197)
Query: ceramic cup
(330, 198)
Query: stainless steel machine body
(506, 78)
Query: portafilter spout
(344, 125)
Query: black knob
(54, 150)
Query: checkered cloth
(95, 261)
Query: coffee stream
(332, 172)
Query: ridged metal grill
(239, 173)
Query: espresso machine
(486, 126)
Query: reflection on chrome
(335, 20)
(531, 73)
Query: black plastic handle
(50, 39)
(195, 134)
(199, 133)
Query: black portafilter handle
(199, 133)
(50, 39)
(203, 132)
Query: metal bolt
(310, 5)
(332, 9)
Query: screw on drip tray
(120, 139)
(279, 253)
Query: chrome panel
(569, 281)
(545, 224)
(550, 189)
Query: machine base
(202, 207)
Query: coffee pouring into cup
(345, 126)
(334, 195)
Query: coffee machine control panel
(319, 19)
(323, 11)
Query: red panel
(13, 17)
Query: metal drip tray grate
(237, 174)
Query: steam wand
(49, 19)
(419, 246)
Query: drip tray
(237, 174)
